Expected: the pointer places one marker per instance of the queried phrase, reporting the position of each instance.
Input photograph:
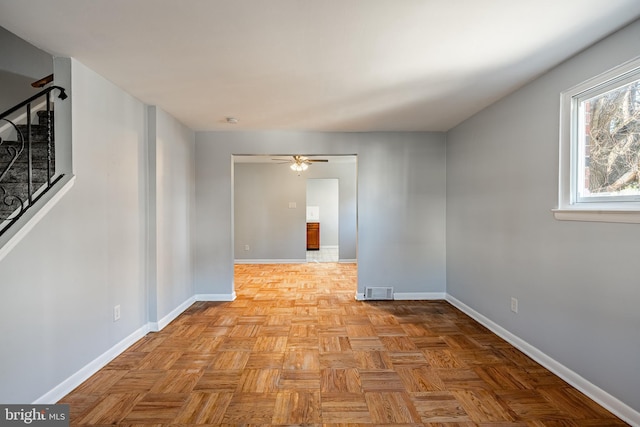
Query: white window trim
(568, 208)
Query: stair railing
(17, 189)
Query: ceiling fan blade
(317, 160)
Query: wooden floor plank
(204, 408)
(297, 408)
(391, 408)
(259, 380)
(296, 348)
(439, 407)
(340, 380)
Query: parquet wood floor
(295, 348)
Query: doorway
(269, 211)
(323, 219)
(269, 208)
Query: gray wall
(14, 88)
(401, 203)
(22, 58)
(263, 219)
(171, 193)
(577, 282)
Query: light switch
(292, 205)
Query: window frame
(593, 208)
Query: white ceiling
(326, 65)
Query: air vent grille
(378, 293)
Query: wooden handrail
(43, 81)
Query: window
(600, 148)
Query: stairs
(14, 186)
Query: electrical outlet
(246, 247)
(514, 304)
(116, 313)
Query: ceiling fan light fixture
(299, 167)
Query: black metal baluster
(29, 159)
(49, 138)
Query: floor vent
(378, 293)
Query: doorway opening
(323, 220)
(270, 200)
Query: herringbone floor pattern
(295, 348)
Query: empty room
(378, 212)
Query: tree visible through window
(599, 162)
(609, 143)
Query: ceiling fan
(301, 163)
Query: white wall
(577, 282)
(401, 203)
(59, 285)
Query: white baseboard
(419, 296)
(215, 297)
(65, 387)
(615, 406)
(348, 261)
(160, 324)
